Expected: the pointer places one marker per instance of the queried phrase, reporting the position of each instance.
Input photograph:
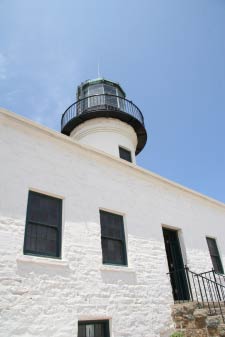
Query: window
(110, 100)
(95, 89)
(43, 225)
(125, 154)
(214, 253)
(119, 93)
(109, 89)
(113, 238)
(93, 328)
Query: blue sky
(169, 56)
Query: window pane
(43, 209)
(125, 154)
(108, 89)
(112, 251)
(86, 92)
(119, 93)
(110, 100)
(90, 330)
(81, 330)
(122, 104)
(93, 329)
(41, 239)
(111, 225)
(99, 330)
(95, 89)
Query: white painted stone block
(44, 297)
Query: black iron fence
(207, 289)
(101, 102)
(215, 276)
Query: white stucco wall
(46, 297)
(106, 134)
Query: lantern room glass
(102, 94)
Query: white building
(83, 231)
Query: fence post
(189, 283)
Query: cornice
(57, 135)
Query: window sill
(42, 260)
(108, 267)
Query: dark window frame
(122, 240)
(122, 151)
(58, 228)
(102, 321)
(215, 256)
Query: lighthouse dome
(103, 118)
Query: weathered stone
(213, 322)
(179, 325)
(200, 318)
(196, 333)
(197, 322)
(212, 331)
(200, 313)
(191, 322)
(177, 310)
(190, 307)
(183, 315)
(221, 330)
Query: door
(176, 266)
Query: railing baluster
(83, 106)
(189, 284)
(223, 294)
(207, 300)
(200, 289)
(204, 285)
(211, 295)
(221, 312)
(217, 289)
(193, 279)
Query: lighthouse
(104, 118)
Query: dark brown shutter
(43, 225)
(214, 253)
(113, 239)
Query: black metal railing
(207, 289)
(215, 276)
(99, 103)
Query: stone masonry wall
(46, 297)
(191, 320)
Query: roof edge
(57, 134)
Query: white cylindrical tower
(103, 118)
